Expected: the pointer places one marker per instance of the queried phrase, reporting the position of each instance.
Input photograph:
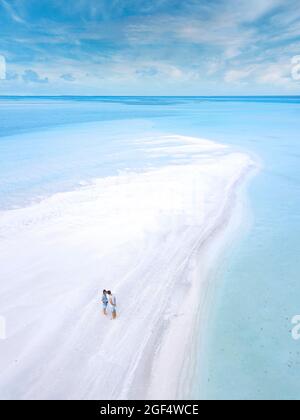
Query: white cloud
(295, 70)
(249, 11)
(12, 13)
(264, 73)
(236, 76)
(2, 67)
(276, 74)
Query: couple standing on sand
(109, 302)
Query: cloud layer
(191, 47)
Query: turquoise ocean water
(247, 351)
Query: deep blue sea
(247, 351)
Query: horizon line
(150, 96)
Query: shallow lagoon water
(247, 350)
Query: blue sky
(149, 47)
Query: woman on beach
(104, 302)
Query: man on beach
(112, 304)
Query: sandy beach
(152, 237)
